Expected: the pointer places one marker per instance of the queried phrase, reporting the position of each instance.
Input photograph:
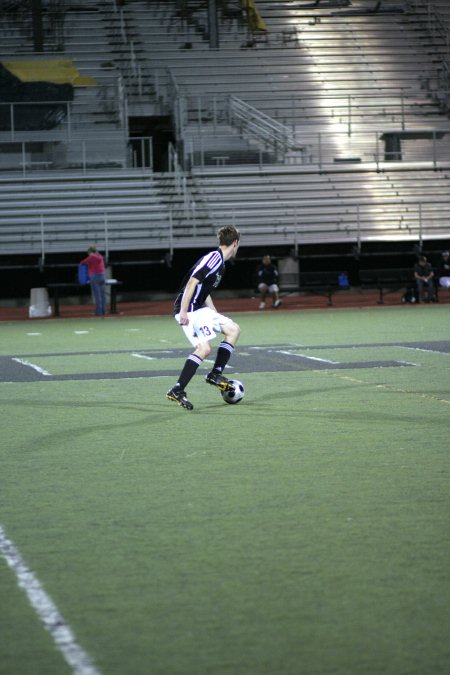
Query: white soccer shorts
(203, 325)
(444, 282)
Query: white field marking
(81, 332)
(33, 365)
(143, 356)
(212, 361)
(46, 610)
(274, 347)
(420, 349)
(304, 356)
(132, 330)
(408, 363)
(34, 333)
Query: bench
(54, 290)
(316, 283)
(387, 280)
(320, 283)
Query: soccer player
(195, 312)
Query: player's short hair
(228, 234)
(92, 249)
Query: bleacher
(48, 214)
(341, 84)
(348, 77)
(282, 205)
(93, 132)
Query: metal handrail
(139, 156)
(257, 124)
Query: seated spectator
(424, 275)
(268, 282)
(443, 270)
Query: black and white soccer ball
(234, 395)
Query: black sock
(223, 356)
(190, 368)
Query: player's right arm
(186, 300)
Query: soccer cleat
(276, 304)
(218, 380)
(179, 396)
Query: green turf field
(304, 531)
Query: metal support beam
(38, 30)
(213, 25)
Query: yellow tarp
(255, 20)
(58, 71)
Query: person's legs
(274, 291)
(231, 331)
(430, 290)
(207, 323)
(98, 291)
(201, 323)
(263, 288)
(102, 296)
(96, 285)
(193, 361)
(420, 289)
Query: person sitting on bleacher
(424, 275)
(443, 270)
(268, 282)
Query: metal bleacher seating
(340, 83)
(60, 213)
(344, 73)
(93, 132)
(283, 204)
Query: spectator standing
(443, 270)
(96, 270)
(268, 282)
(424, 275)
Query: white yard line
(33, 365)
(46, 610)
(143, 356)
(421, 349)
(312, 358)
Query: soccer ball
(236, 394)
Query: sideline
(47, 611)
